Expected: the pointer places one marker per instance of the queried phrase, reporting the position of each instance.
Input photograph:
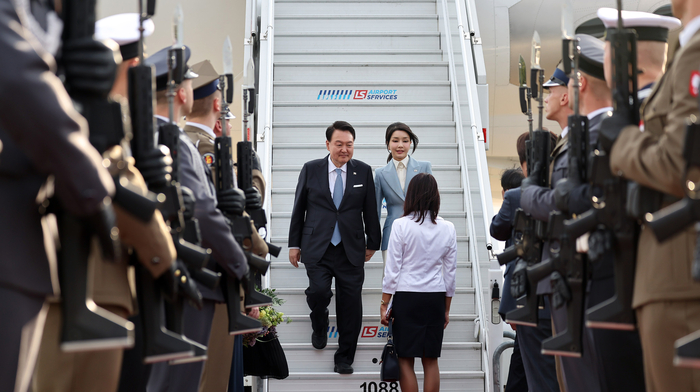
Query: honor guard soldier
(665, 296)
(99, 370)
(215, 232)
(580, 374)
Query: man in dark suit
(502, 229)
(334, 207)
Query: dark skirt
(419, 320)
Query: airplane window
(592, 27)
(664, 10)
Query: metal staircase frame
(490, 335)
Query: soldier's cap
(208, 81)
(160, 61)
(559, 78)
(590, 60)
(124, 29)
(649, 27)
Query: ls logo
(369, 332)
(360, 94)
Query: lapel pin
(354, 173)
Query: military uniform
(34, 148)
(665, 295)
(99, 370)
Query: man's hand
(253, 312)
(294, 257)
(253, 200)
(562, 190)
(368, 254)
(533, 179)
(231, 201)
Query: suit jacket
(34, 147)
(654, 158)
(387, 186)
(216, 233)
(314, 214)
(502, 230)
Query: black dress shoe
(319, 341)
(343, 368)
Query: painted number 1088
(381, 387)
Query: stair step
(359, 91)
(335, 55)
(366, 110)
(371, 154)
(453, 357)
(323, 7)
(280, 239)
(295, 299)
(353, 72)
(350, 23)
(358, 40)
(284, 276)
(287, 176)
(469, 381)
(460, 329)
(451, 199)
(280, 222)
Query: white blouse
(421, 257)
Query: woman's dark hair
(511, 178)
(339, 126)
(422, 197)
(521, 146)
(399, 126)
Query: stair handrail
(265, 86)
(473, 254)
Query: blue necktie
(337, 198)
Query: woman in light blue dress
(391, 181)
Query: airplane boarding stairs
(371, 63)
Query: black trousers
(348, 304)
(619, 353)
(17, 309)
(540, 370)
(517, 382)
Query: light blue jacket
(387, 186)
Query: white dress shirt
(401, 171)
(564, 131)
(421, 257)
(332, 175)
(599, 111)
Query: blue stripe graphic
(319, 94)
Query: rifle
(528, 233)
(85, 326)
(240, 224)
(610, 205)
(162, 343)
(566, 267)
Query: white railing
(475, 121)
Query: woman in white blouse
(420, 274)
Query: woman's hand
(447, 318)
(253, 312)
(382, 313)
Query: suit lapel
(562, 145)
(393, 180)
(323, 169)
(411, 171)
(351, 179)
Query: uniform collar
(689, 31)
(332, 167)
(203, 127)
(597, 112)
(405, 162)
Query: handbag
(389, 367)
